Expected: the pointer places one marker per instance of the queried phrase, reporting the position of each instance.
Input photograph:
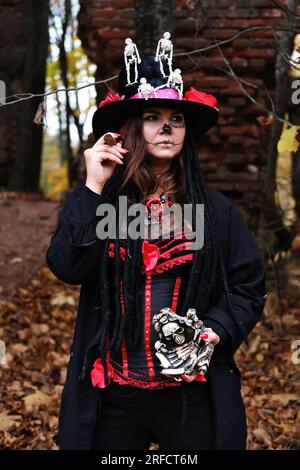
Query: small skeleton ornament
(145, 89)
(180, 349)
(175, 81)
(164, 50)
(131, 56)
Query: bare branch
(216, 45)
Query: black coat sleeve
(74, 249)
(246, 281)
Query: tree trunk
(63, 61)
(26, 169)
(296, 180)
(152, 20)
(294, 115)
(61, 133)
(282, 98)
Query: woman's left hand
(210, 337)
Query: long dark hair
(132, 179)
(139, 170)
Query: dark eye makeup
(155, 117)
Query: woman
(117, 394)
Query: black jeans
(175, 418)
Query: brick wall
(234, 152)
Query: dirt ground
(26, 225)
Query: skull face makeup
(180, 349)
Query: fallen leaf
(40, 328)
(289, 320)
(24, 292)
(53, 422)
(6, 306)
(298, 421)
(61, 298)
(18, 348)
(284, 398)
(59, 313)
(8, 421)
(260, 357)
(35, 400)
(262, 436)
(48, 274)
(254, 345)
(17, 259)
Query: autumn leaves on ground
(37, 314)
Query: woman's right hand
(101, 161)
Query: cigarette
(109, 139)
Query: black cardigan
(73, 257)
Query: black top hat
(154, 84)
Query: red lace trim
(162, 266)
(138, 379)
(97, 376)
(162, 244)
(169, 264)
(112, 248)
(143, 384)
(175, 249)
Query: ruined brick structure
(13, 30)
(23, 53)
(233, 153)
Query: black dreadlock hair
(202, 277)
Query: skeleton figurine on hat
(155, 84)
(145, 89)
(131, 56)
(164, 50)
(175, 81)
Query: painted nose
(167, 128)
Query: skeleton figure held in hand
(180, 349)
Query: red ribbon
(200, 97)
(97, 374)
(197, 378)
(151, 255)
(200, 378)
(110, 97)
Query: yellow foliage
(76, 113)
(287, 146)
(58, 175)
(59, 181)
(288, 141)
